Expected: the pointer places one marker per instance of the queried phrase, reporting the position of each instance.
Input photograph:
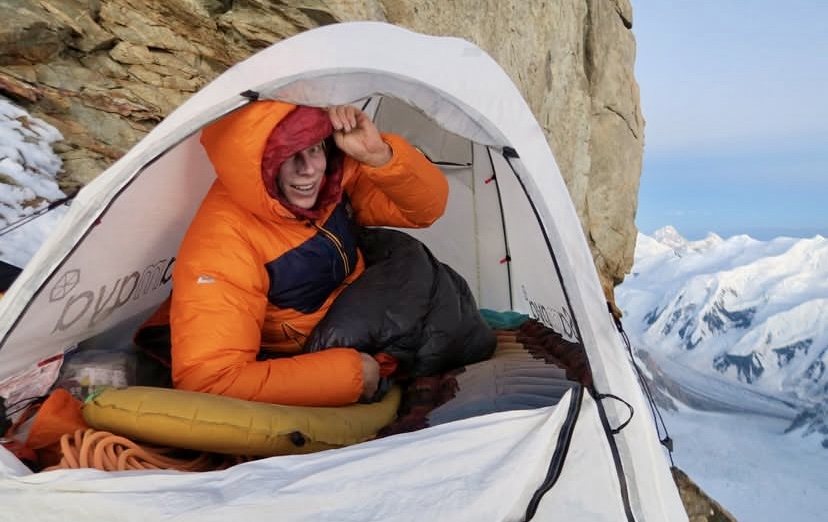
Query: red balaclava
(302, 127)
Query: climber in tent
(274, 243)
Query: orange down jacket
(223, 315)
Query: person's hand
(370, 375)
(357, 136)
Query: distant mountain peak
(669, 236)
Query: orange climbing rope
(108, 452)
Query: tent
(511, 230)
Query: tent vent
(250, 95)
(509, 152)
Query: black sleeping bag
(409, 305)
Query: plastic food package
(88, 371)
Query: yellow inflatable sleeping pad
(214, 423)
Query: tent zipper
(559, 456)
(616, 455)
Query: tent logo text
(94, 305)
(559, 320)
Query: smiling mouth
(304, 188)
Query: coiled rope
(109, 452)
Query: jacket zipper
(287, 326)
(337, 244)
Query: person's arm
(395, 184)
(218, 307)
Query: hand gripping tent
(510, 229)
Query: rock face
(104, 72)
(699, 507)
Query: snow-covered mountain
(753, 313)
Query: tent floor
(532, 367)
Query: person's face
(300, 176)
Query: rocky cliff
(104, 72)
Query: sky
(735, 98)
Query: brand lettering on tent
(559, 320)
(94, 305)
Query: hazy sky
(735, 98)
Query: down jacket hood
(248, 146)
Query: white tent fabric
(406, 477)
(108, 265)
